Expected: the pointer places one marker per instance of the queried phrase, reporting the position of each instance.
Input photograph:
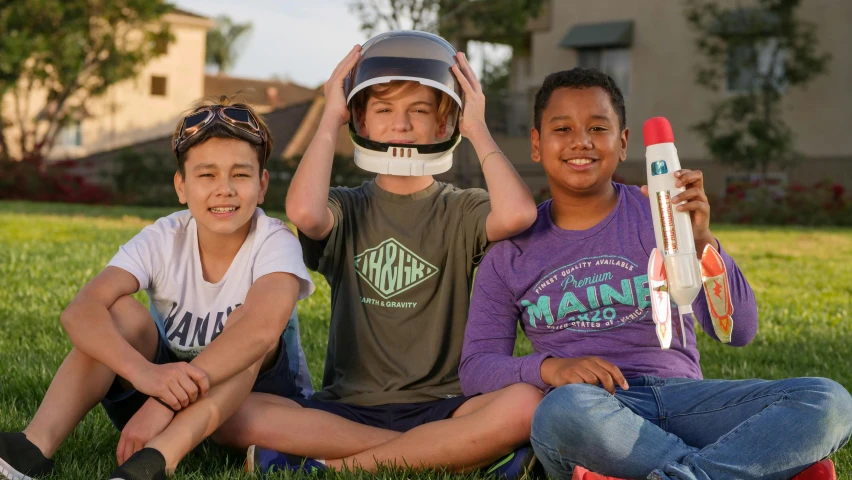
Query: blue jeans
(692, 429)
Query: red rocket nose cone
(657, 130)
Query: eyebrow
(419, 102)
(208, 166)
(568, 117)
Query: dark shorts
(399, 417)
(121, 404)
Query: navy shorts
(399, 417)
(121, 404)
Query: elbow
(305, 220)
(514, 223)
(526, 216)
(69, 318)
(468, 384)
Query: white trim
(422, 81)
(419, 164)
(7, 471)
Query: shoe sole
(10, 473)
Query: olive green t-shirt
(400, 269)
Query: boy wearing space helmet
(399, 254)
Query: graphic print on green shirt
(391, 269)
(400, 268)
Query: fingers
(694, 193)
(469, 74)
(693, 206)
(348, 62)
(614, 371)
(644, 190)
(179, 393)
(686, 177)
(171, 400)
(189, 387)
(603, 377)
(199, 376)
(119, 450)
(465, 84)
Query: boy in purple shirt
(577, 283)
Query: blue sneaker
(514, 466)
(268, 461)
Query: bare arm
(513, 209)
(90, 326)
(307, 198)
(253, 329)
(92, 330)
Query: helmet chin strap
(378, 163)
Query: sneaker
(822, 470)
(20, 459)
(267, 461)
(146, 464)
(581, 473)
(515, 465)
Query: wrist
(706, 239)
(165, 406)
(546, 370)
(331, 120)
(478, 130)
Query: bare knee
(235, 431)
(135, 324)
(247, 426)
(520, 401)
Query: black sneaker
(20, 459)
(146, 464)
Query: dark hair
(579, 78)
(219, 131)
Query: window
(615, 62)
(161, 46)
(71, 135)
(749, 65)
(158, 86)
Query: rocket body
(672, 229)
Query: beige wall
(128, 113)
(663, 58)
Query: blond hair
(396, 89)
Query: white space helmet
(414, 56)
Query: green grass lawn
(802, 278)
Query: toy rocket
(674, 272)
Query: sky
(297, 40)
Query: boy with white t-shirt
(223, 279)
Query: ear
(536, 148)
(264, 185)
(179, 187)
(622, 155)
(362, 122)
(442, 128)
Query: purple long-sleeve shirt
(583, 293)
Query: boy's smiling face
(580, 142)
(222, 184)
(409, 116)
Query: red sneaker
(822, 470)
(581, 473)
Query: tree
(757, 54)
(501, 21)
(225, 42)
(56, 55)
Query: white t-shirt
(189, 311)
